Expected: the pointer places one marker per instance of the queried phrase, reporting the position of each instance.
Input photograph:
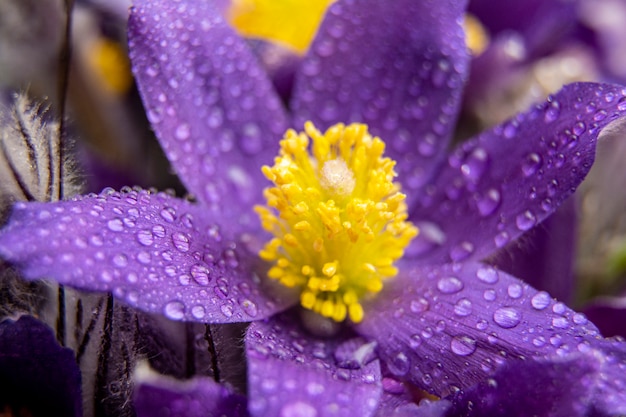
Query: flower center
(338, 219)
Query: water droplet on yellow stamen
(338, 219)
(292, 23)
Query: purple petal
(582, 384)
(153, 251)
(398, 401)
(158, 396)
(291, 373)
(397, 67)
(545, 257)
(510, 178)
(447, 327)
(37, 376)
(210, 103)
(609, 314)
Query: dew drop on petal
(515, 290)
(461, 251)
(115, 225)
(174, 310)
(531, 164)
(540, 300)
(507, 317)
(525, 220)
(463, 307)
(145, 237)
(463, 345)
(249, 307)
(488, 202)
(449, 285)
(560, 322)
(501, 239)
(181, 242)
(198, 312)
(298, 409)
(399, 364)
(200, 274)
(487, 274)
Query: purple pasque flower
(447, 320)
(37, 376)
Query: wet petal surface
(153, 251)
(447, 327)
(581, 384)
(508, 179)
(291, 373)
(211, 105)
(397, 67)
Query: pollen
(338, 219)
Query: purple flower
(37, 376)
(447, 321)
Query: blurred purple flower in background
(448, 323)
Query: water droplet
(200, 274)
(487, 274)
(463, 345)
(145, 237)
(507, 317)
(415, 341)
(144, 257)
(531, 164)
(168, 214)
(600, 115)
(227, 310)
(198, 312)
(579, 128)
(540, 300)
(132, 277)
(399, 364)
(552, 112)
(539, 341)
(475, 165)
(488, 202)
(115, 225)
(482, 325)
(515, 290)
(120, 260)
(175, 310)
(501, 239)
(298, 409)
(419, 306)
(579, 318)
(560, 322)
(526, 220)
(449, 285)
(489, 295)
(463, 307)
(249, 307)
(559, 308)
(182, 131)
(461, 251)
(181, 241)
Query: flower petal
(545, 257)
(37, 376)
(153, 251)
(210, 103)
(578, 385)
(510, 178)
(447, 327)
(399, 67)
(159, 396)
(291, 373)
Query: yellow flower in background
(291, 23)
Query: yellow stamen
(292, 23)
(109, 61)
(338, 219)
(476, 36)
